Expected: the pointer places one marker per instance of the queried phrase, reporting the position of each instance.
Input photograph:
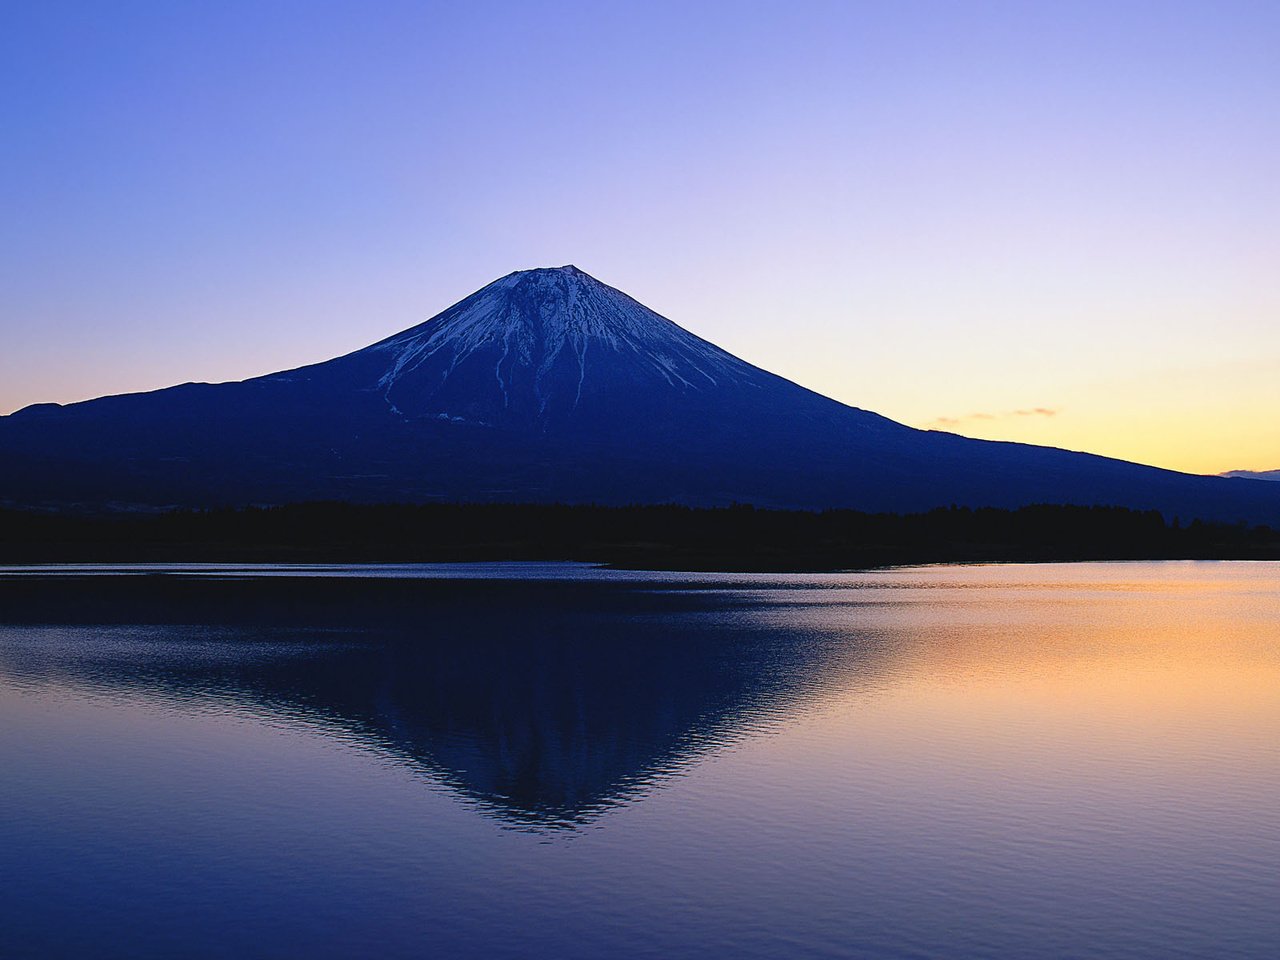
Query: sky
(1057, 223)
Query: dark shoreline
(727, 539)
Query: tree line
(666, 536)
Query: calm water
(557, 761)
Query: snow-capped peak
(543, 332)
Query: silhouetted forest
(664, 537)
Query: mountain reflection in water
(543, 703)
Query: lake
(555, 760)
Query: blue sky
(955, 214)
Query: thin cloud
(949, 422)
(1036, 412)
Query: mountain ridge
(549, 385)
(1253, 474)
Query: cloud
(946, 423)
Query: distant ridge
(550, 386)
(1254, 474)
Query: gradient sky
(1050, 222)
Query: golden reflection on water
(1120, 688)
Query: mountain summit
(517, 352)
(548, 385)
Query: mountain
(1254, 474)
(548, 385)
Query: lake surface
(515, 760)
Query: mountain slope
(549, 385)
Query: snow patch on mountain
(532, 318)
